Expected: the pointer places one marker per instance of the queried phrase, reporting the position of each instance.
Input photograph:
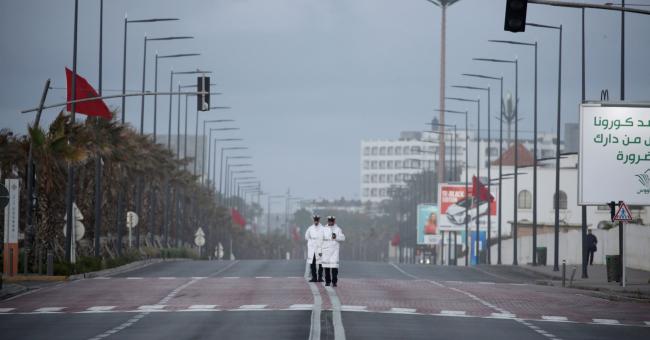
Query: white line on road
(6, 310)
(453, 312)
(301, 306)
(231, 277)
(402, 310)
(194, 307)
(252, 306)
(134, 278)
(100, 309)
(606, 321)
(152, 308)
(314, 330)
(647, 323)
(351, 308)
(49, 310)
(554, 318)
(337, 320)
(403, 272)
(167, 278)
(262, 277)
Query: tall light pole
(556, 199)
(489, 161)
(155, 96)
(465, 113)
(478, 165)
(171, 88)
(268, 212)
(185, 124)
(216, 140)
(500, 79)
(516, 149)
(205, 122)
(443, 4)
(126, 26)
(231, 148)
(144, 70)
(196, 132)
(534, 46)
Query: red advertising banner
(457, 204)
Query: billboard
(614, 154)
(427, 224)
(456, 205)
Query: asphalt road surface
(272, 300)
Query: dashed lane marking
(554, 318)
(352, 308)
(99, 309)
(301, 306)
(402, 310)
(6, 310)
(134, 278)
(453, 312)
(167, 278)
(607, 321)
(262, 277)
(202, 307)
(152, 308)
(503, 315)
(231, 277)
(49, 310)
(248, 307)
(647, 323)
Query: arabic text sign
(614, 154)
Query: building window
(366, 164)
(382, 192)
(373, 165)
(415, 150)
(373, 193)
(390, 151)
(407, 150)
(382, 178)
(373, 179)
(382, 164)
(525, 200)
(374, 150)
(398, 164)
(382, 151)
(366, 191)
(562, 201)
(390, 178)
(389, 165)
(398, 150)
(366, 151)
(398, 178)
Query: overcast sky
(309, 79)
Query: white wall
(637, 245)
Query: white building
(386, 163)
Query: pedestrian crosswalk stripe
(252, 306)
(134, 278)
(262, 277)
(403, 310)
(49, 310)
(167, 278)
(503, 315)
(152, 307)
(6, 310)
(606, 321)
(554, 318)
(647, 323)
(231, 277)
(453, 312)
(302, 306)
(353, 308)
(194, 307)
(198, 277)
(100, 308)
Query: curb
(122, 269)
(17, 291)
(37, 278)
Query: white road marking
(606, 321)
(503, 315)
(554, 318)
(337, 320)
(152, 308)
(98, 309)
(252, 306)
(262, 277)
(202, 307)
(198, 277)
(314, 329)
(403, 272)
(49, 310)
(352, 308)
(167, 278)
(402, 310)
(134, 278)
(302, 306)
(453, 312)
(647, 323)
(6, 310)
(485, 283)
(231, 277)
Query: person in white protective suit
(314, 238)
(332, 235)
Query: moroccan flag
(395, 240)
(479, 190)
(91, 108)
(237, 218)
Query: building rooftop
(525, 157)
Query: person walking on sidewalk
(332, 235)
(591, 246)
(314, 238)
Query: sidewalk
(637, 281)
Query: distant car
(456, 212)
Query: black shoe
(321, 280)
(327, 283)
(312, 280)
(334, 284)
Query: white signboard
(614, 154)
(12, 211)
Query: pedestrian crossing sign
(623, 213)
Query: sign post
(131, 222)
(199, 239)
(622, 215)
(12, 215)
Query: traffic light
(203, 100)
(516, 15)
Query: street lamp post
(171, 88)
(214, 165)
(478, 164)
(465, 113)
(516, 149)
(534, 45)
(556, 198)
(205, 122)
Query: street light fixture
(556, 198)
(516, 147)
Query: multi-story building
(388, 163)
